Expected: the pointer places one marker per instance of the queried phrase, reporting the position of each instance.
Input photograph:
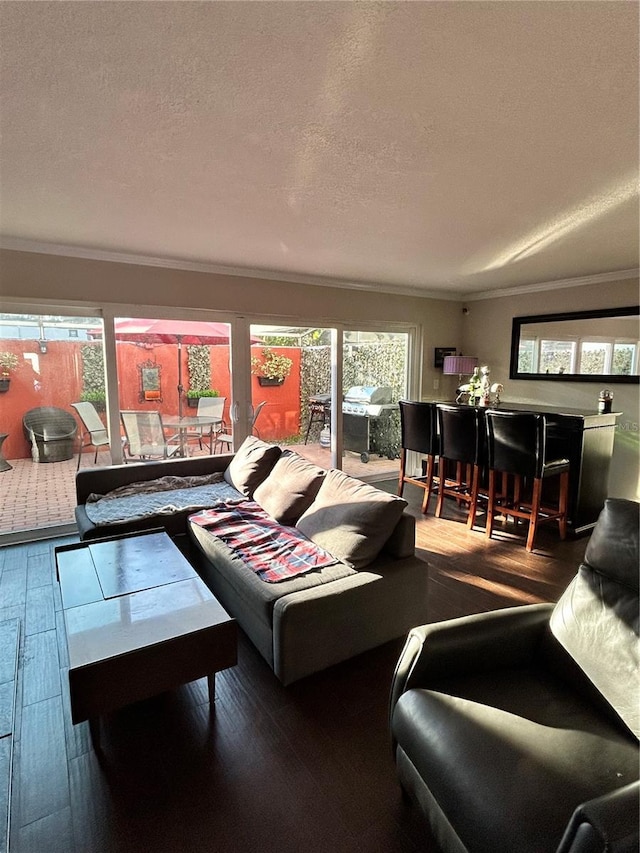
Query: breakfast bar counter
(585, 438)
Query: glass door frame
(240, 364)
(415, 344)
(9, 305)
(239, 356)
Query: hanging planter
(8, 362)
(272, 369)
(193, 396)
(269, 380)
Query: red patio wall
(50, 379)
(280, 417)
(55, 379)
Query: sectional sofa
(374, 590)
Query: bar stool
(419, 433)
(516, 446)
(459, 428)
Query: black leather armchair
(516, 731)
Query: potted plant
(194, 394)
(271, 369)
(8, 362)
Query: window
(625, 359)
(595, 357)
(557, 356)
(528, 355)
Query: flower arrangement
(271, 366)
(8, 362)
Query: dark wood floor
(306, 767)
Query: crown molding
(598, 278)
(17, 244)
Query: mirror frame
(608, 378)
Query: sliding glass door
(293, 373)
(67, 379)
(291, 388)
(171, 371)
(49, 364)
(375, 376)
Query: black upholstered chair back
(418, 427)
(459, 429)
(597, 619)
(515, 442)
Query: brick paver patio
(39, 495)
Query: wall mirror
(583, 346)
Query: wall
(485, 331)
(32, 276)
(52, 379)
(56, 379)
(487, 334)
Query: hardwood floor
(307, 767)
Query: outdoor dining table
(183, 424)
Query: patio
(36, 495)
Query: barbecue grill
(366, 411)
(367, 424)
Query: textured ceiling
(456, 146)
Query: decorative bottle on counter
(474, 387)
(605, 402)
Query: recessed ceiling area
(452, 147)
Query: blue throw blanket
(156, 498)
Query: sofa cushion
(351, 519)
(290, 488)
(251, 464)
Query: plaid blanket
(275, 553)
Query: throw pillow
(251, 464)
(290, 488)
(351, 519)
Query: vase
(4, 384)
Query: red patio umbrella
(194, 332)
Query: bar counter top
(583, 436)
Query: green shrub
(193, 394)
(93, 397)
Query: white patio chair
(146, 436)
(225, 439)
(94, 433)
(208, 407)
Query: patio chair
(208, 407)
(51, 432)
(225, 439)
(146, 436)
(94, 433)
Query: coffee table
(139, 621)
